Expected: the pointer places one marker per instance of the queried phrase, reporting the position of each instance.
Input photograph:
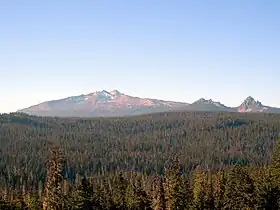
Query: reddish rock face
(250, 105)
(100, 103)
(115, 103)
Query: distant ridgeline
(139, 146)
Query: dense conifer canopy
(176, 160)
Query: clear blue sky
(176, 50)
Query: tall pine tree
(239, 190)
(83, 196)
(53, 199)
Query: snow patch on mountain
(251, 105)
(209, 102)
(107, 103)
(115, 93)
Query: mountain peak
(115, 93)
(250, 104)
(203, 100)
(208, 104)
(101, 95)
(104, 92)
(249, 98)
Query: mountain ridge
(116, 103)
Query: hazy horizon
(189, 102)
(178, 51)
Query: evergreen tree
(219, 189)
(209, 192)
(83, 196)
(19, 202)
(130, 197)
(121, 185)
(53, 199)
(267, 192)
(32, 201)
(136, 197)
(41, 191)
(7, 206)
(66, 194)
(198, 194)
(239, 190)
(176, 192)
(104, 195)
(142, 200)
(183, 197)
(157, 194)
(275, 164)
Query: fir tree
(32, 201)
(83, 196)
(275, 164)
(130, 197)
(183, 197)
(53, 199)
(239, 190)
(209, 192)
(157, 194)
(121, 185)
(176, 192)
(142, 200)
(267, 192)
(198, 194)
(219, 183)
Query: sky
(178, 50)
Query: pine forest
(160, 161)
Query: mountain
(251, 105)
(114, 103)
(208, 105)
(102, 103)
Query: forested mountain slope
(84, 172)
(142, 143)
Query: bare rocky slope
(114, 103)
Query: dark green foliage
(182, 195)
(158, 194)
(123, 162)
(141, 197)
(239, 190)
(267, 192)
(176, 189)
(136, 197)
(232, 123)
(274, 167)
(141, 143)
(7, 206)
(198, 190)
(83, 196)
(219, 184)
(54, 198)
(120, 187)
(209, 192)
